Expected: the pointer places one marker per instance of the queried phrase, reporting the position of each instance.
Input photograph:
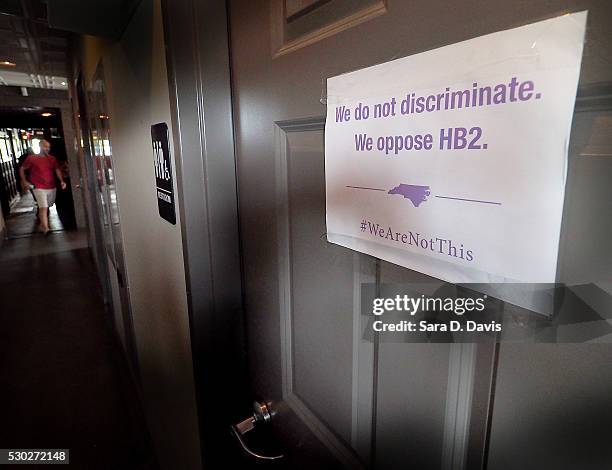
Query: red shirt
(42, 170)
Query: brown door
(341, 399)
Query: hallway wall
(138, 96)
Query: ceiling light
(7, 63)
(63, 83)
(46, 114)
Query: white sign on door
(453, 162)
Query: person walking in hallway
(43, 169)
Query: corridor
(61, 370)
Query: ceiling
(107, 18)
(35, 35)
(40, 53)
(28, 117)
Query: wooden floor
(63, 379)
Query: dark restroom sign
(163, 172)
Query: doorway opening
(22, 130)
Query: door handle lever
(261, 414)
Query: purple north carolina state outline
(417, 194)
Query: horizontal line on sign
(164, 190)
(363, 187)
(470, 200)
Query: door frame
(95, 227)
(116, 269)
(198, 66)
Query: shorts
(44, 197)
